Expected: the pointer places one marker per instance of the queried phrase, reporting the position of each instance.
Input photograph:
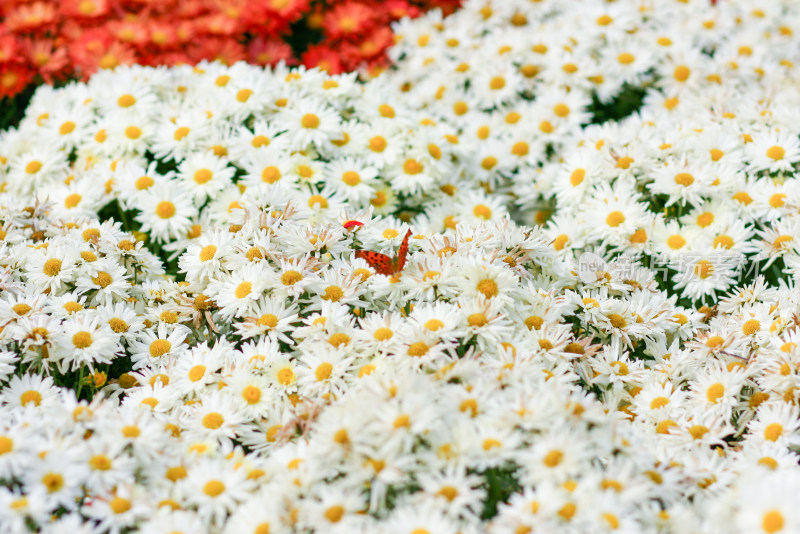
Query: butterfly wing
(380, 262)
(400, 261)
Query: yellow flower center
(202, 176)
(133, 132)
(310, 120)
(159, 347)
(165, 209)
(82, 340)
(126, 101)
(615, 218)
(213, 488)
(775, 152)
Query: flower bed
(192, 342)
(50, 42)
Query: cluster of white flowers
(630, 366)
(179, 148)
(701, 181)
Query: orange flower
(263, 51)
(87, 9)
(73, 38)
(14, 77)
(29, 18)
(348, 20)
(226, 51)
(97, 49)
(323, 57)
(50, 61)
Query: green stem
(80, 382)
(126, 225)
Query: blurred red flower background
(51, 41)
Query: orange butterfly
(384, 264)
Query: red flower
(348, 20)
(323, 57)
(50, 60)
(73, 38)
(131, 31)
(89, 9)
(224, 50)
(372, 45)
(398, 9)
(290, 10)
(167, 58)
(163, 35)
(14, 77)
(9, 48)
(97, 49)
(264, 52)
(218, 24)
(35, 17)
